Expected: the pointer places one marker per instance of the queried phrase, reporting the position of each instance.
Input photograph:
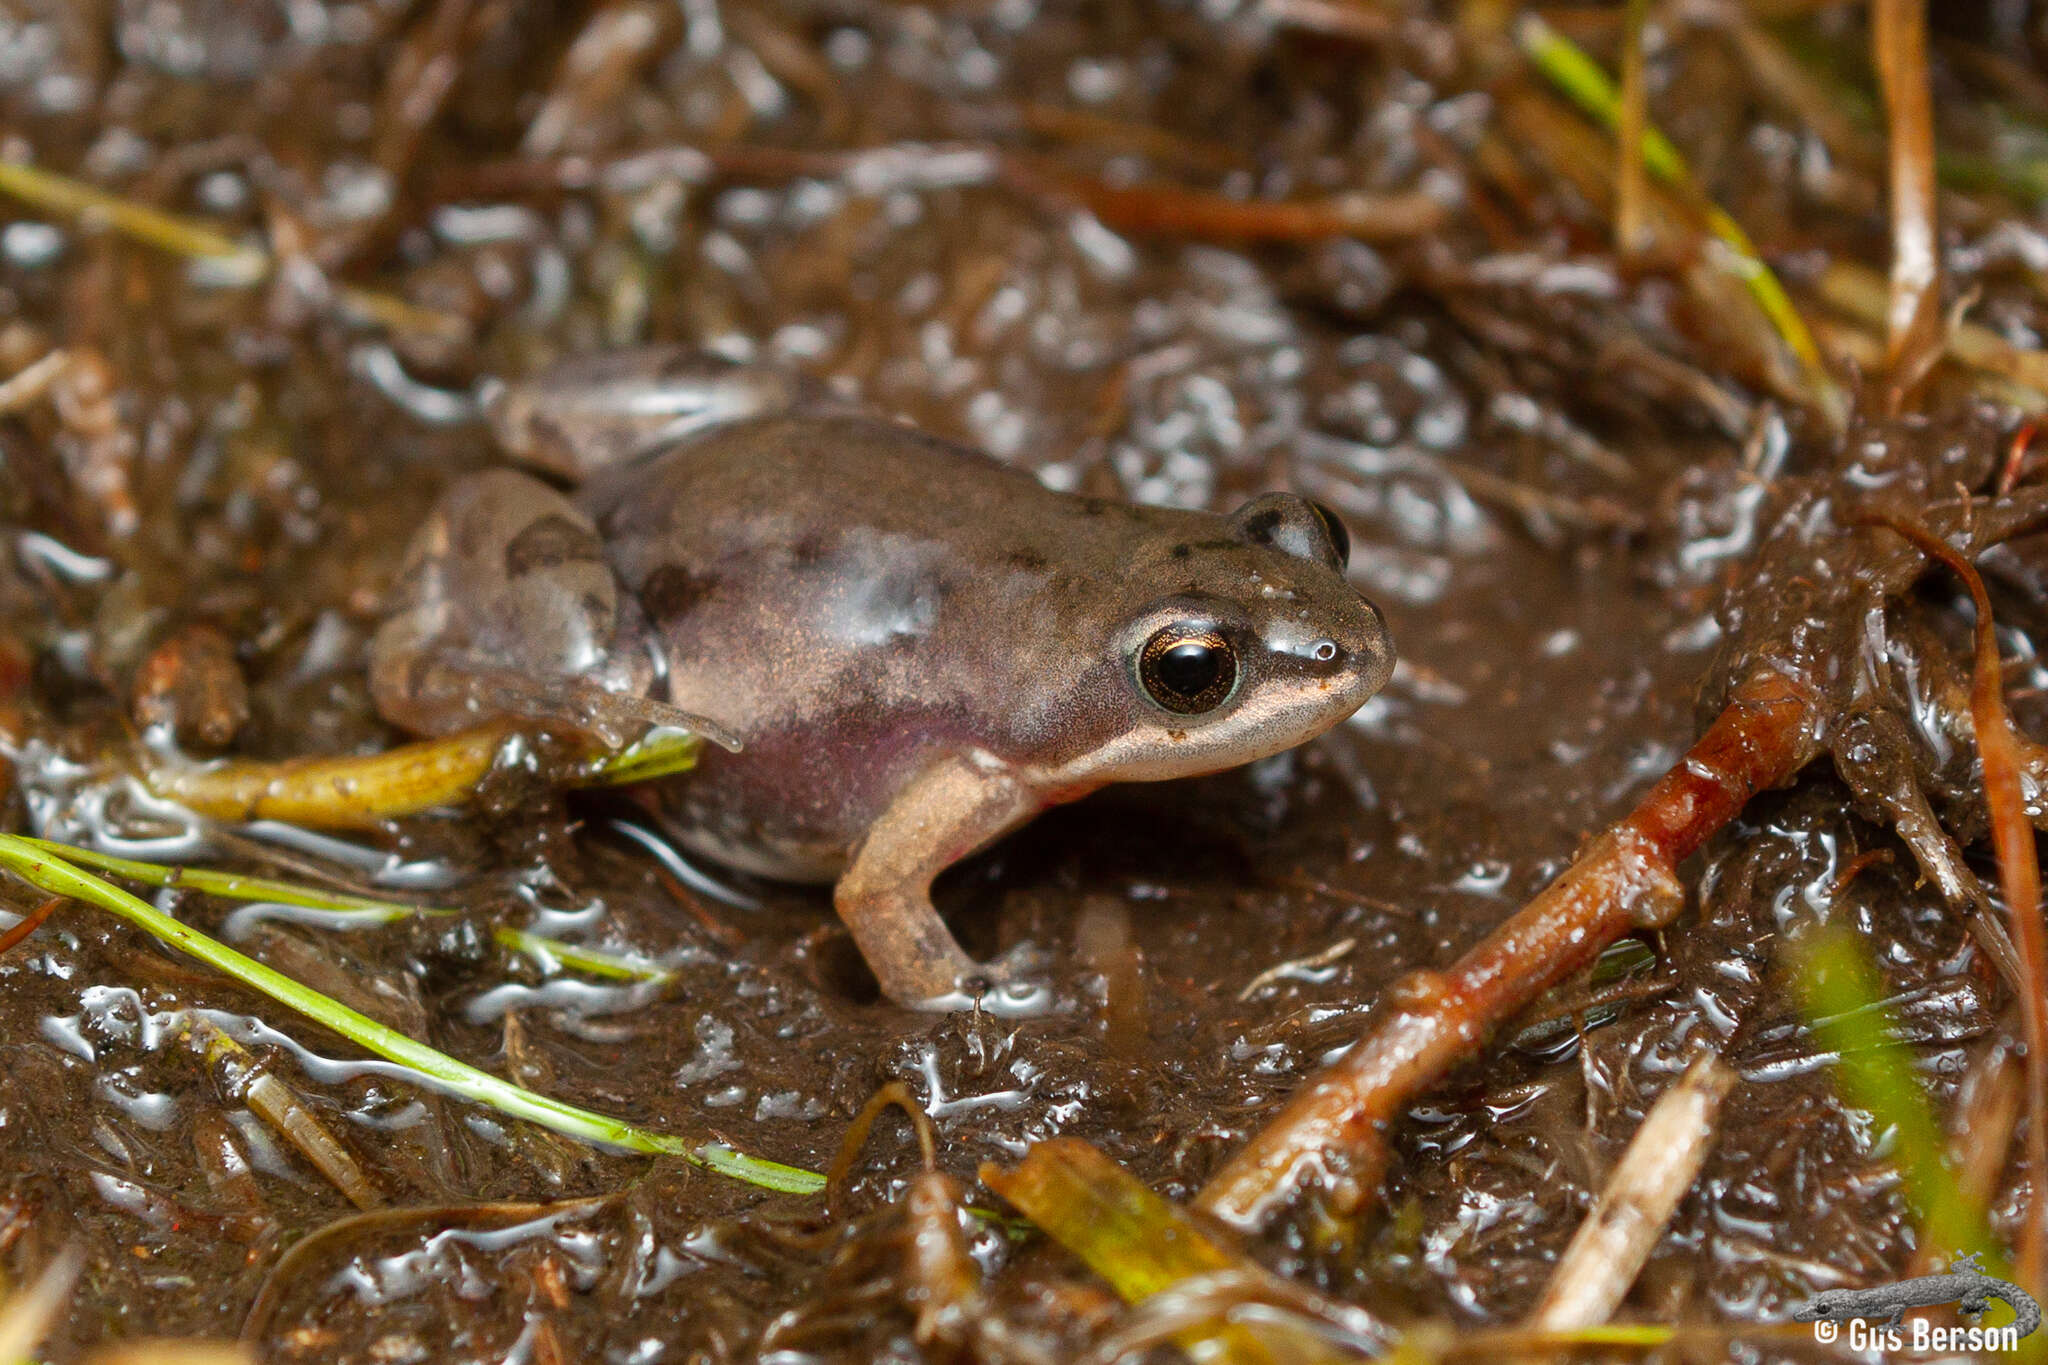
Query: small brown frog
(913, 648)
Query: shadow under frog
(909, 648)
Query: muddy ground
(1553, 468)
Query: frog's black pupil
(1188, 671)
(1333, 525)
(1189, 668)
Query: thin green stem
(233, 886)
(1586, 83)
(36, 865)
(593, 961)
(660, 754)
(43, 189)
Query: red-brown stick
(1161, 210)
(2019, 873)
(28, 924)
(1335, 1128)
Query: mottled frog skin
(915, 648)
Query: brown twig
(1981, 1126)
(1913, 323)
(423, 75)
(242, 1079)
(1796, 89)
(2015, 461)
(1336, 1126)
(1360, 23)
(2019, 874)
(894, 1093)
(1158, 210)
(256, 1324)
(610, 51)
(26, 1317)
(1100, 135)
(28, 924)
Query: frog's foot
(920, 973)
(1013, 985)
(584, 705)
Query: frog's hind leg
(506, 608)
(590, 412)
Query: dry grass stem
(1913, 319)
(1631, 177)
(1642, 1192)
(27, 1317)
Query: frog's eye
(1333, 527)
(1188, 671)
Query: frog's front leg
(507, 608)
(884, 896)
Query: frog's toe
(614, 719)
(1011, 986)
(1018, 983)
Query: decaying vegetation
(1680, 364)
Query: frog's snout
(1354, 655)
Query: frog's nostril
(1325, 651)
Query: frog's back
(849, 597)
(774, 480)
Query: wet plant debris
(1661, 947)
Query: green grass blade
(238, 263)
(1586, 83)
(232, 886)
(44, 869)
(591, 961)
(1844, 1001)
(1644, 1334)
(660, 753)
(1142, 1244)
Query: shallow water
(1555, 612)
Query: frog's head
(1239, 645)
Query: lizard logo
(1965, 1284)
